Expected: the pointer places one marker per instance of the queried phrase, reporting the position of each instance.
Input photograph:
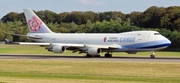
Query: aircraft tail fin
(35, 24)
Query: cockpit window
(157, 34)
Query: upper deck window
(157, 34)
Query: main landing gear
(105, 55)
(87, 55)
(152, 54)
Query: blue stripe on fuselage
(155, 46)
(148, 45)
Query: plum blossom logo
(34, 24)
(105, 38)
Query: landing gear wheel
(87, 55)
(97, 55)
(152, 56)
(108, 55)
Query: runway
(83, 58)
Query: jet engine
(94, 51)
(59, 49)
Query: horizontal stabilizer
(32, 43)
(32, 37)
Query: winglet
(35, 24)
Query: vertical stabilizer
(35, 24)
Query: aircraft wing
(70, 45)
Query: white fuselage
(128, 41)
(92, 43)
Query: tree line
(165, 20)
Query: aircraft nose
(167, 42)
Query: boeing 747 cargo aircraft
(93, 44)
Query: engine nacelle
(59, 49)
(94, 51)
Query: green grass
(28, 49)
(22, 49)
(73, 71)
(88, 71)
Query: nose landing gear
(152, 54)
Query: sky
(59, 6)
